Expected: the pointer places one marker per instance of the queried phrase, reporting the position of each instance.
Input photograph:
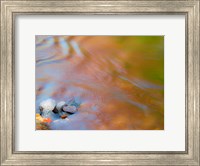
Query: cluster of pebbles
(49, 108)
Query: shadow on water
(118, 80)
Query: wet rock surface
(47, 107)
(51, 111)
(69, 109)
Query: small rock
(59, 108)
(63, 116)
(59, 105)
(46, 108)
(73, 102)
(48, 104)
(69, 109)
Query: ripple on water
(111, 95)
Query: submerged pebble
(69, 109)
(59, 108)
(59, 105)
(73, 102)
(63, 116)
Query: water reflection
(118, 80)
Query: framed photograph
(99, 82)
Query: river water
(118, 80)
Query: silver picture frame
(11, 8)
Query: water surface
(118, 80)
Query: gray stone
(70, 109)
(46, 108)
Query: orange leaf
(48, 120)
